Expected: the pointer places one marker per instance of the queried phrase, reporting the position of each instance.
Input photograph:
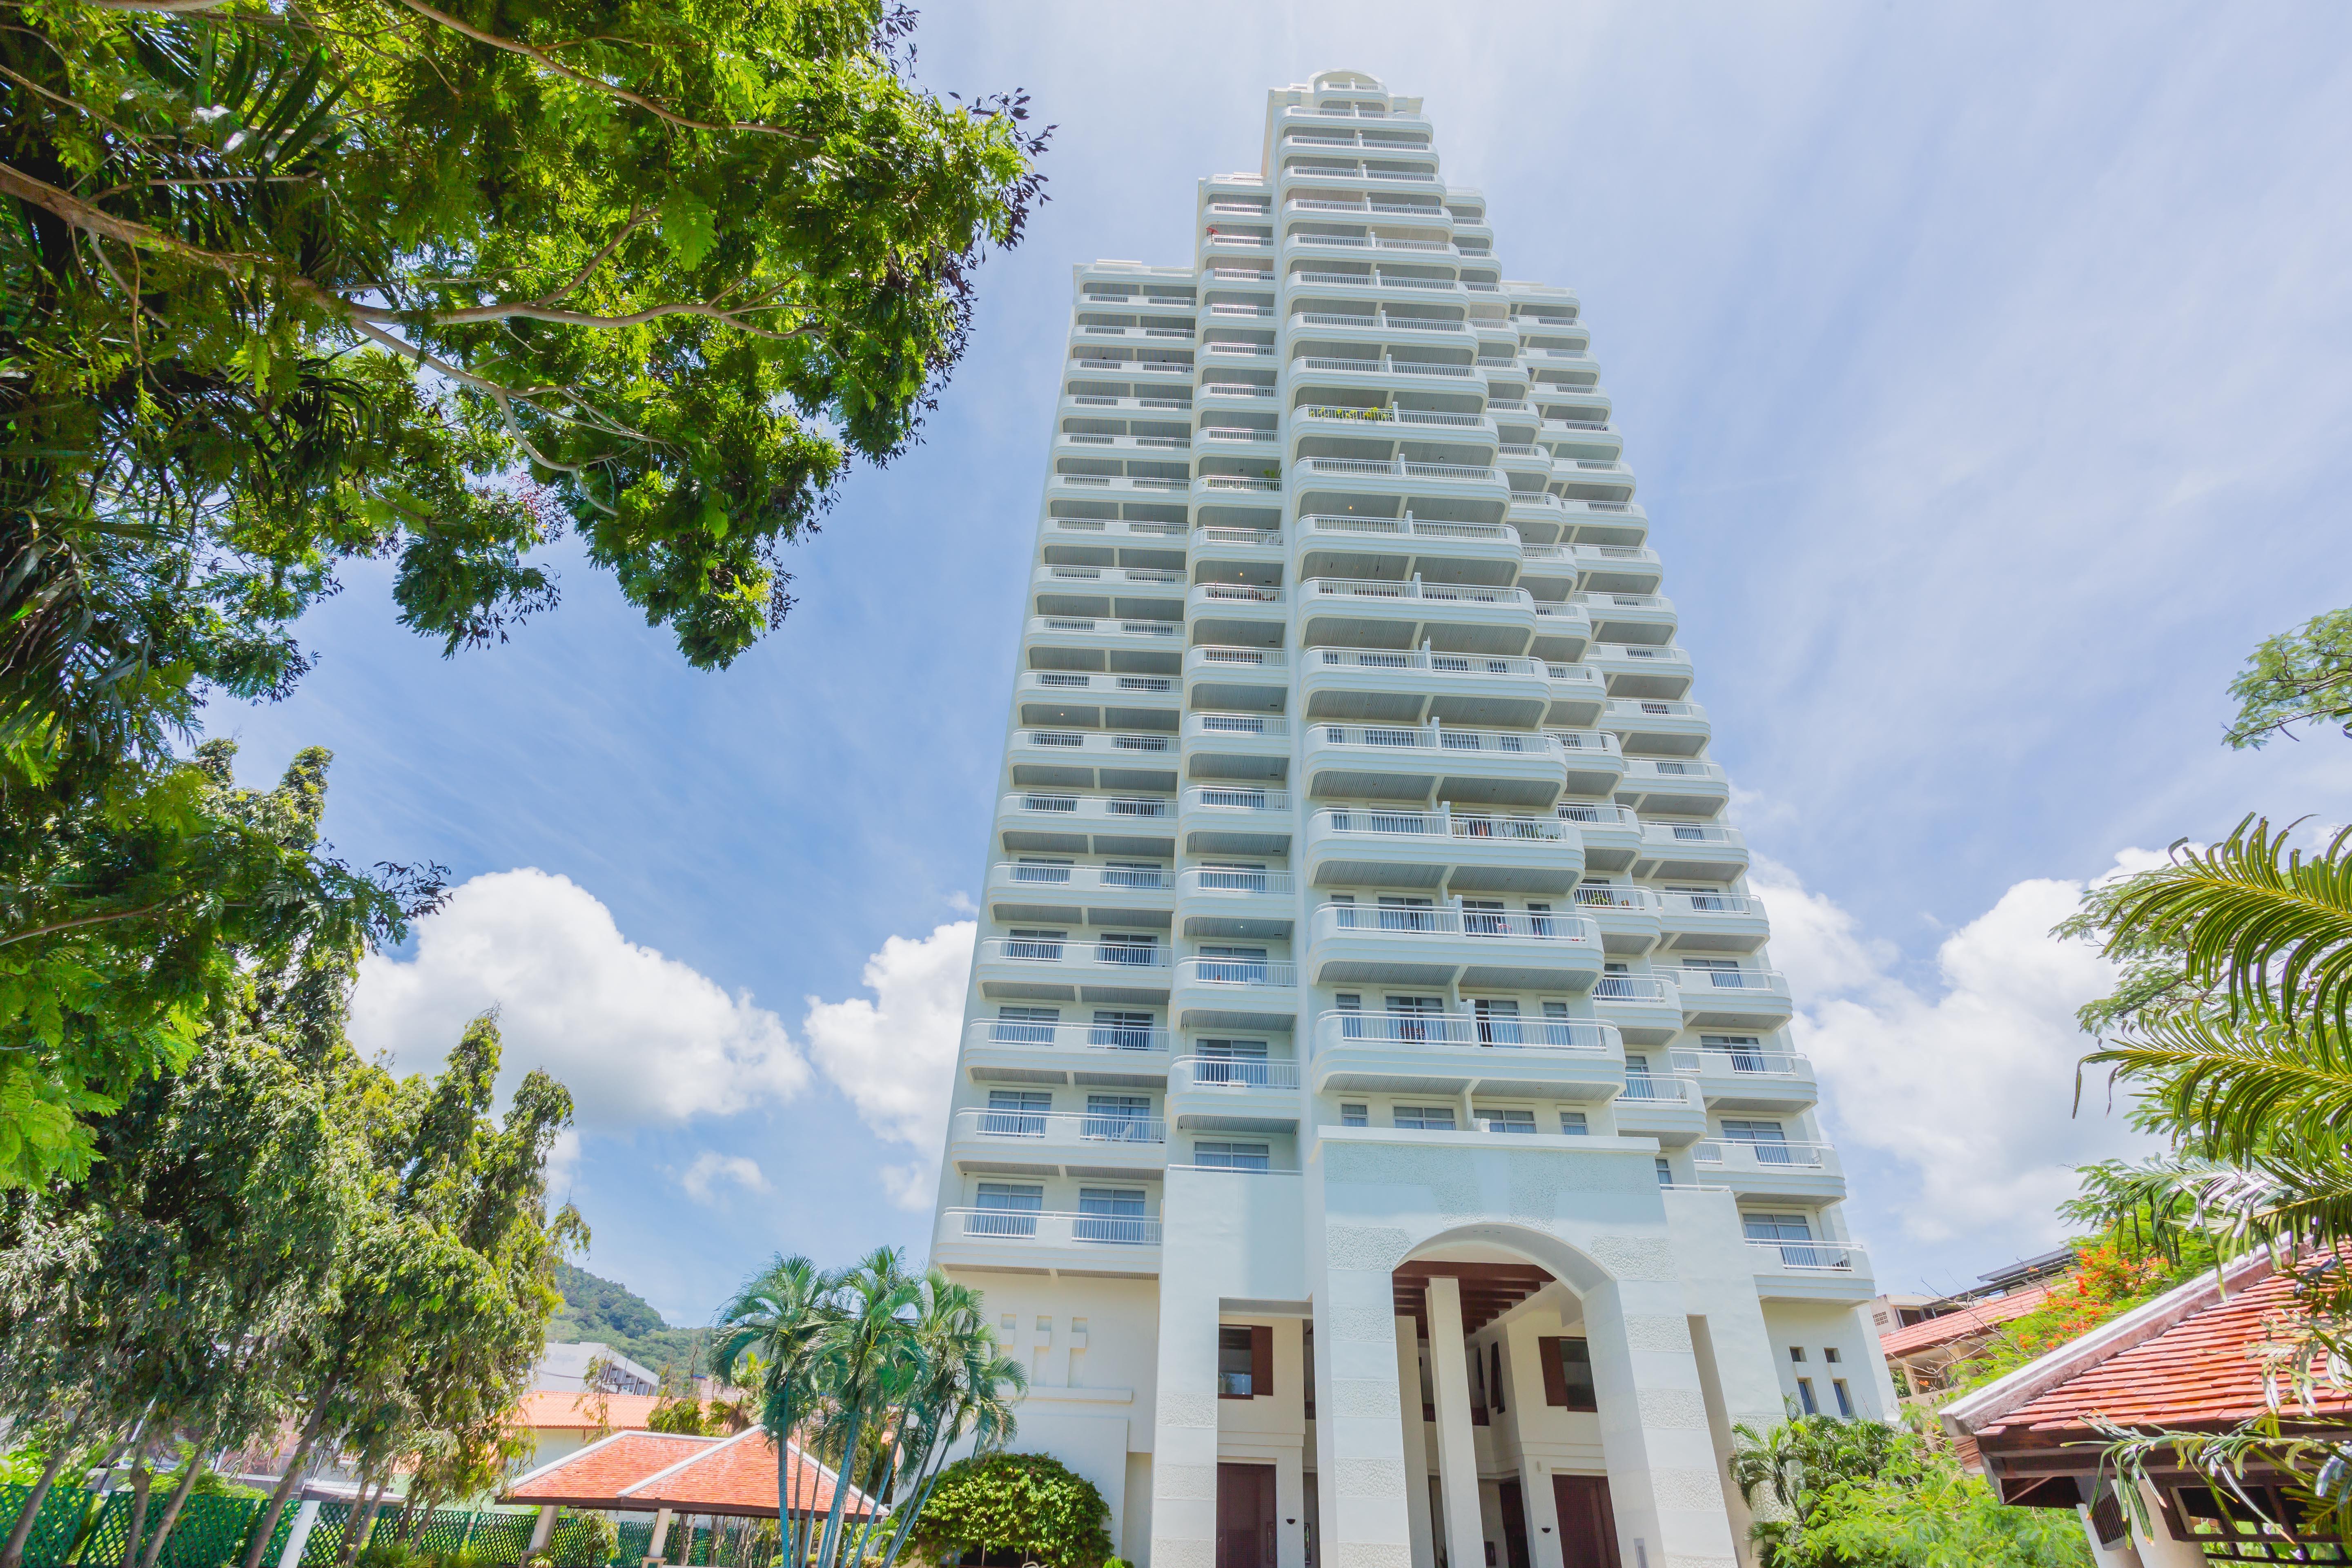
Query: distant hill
(596, 1308)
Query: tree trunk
(287, 1484)
(189, 1470)
(363, 1509)
(141, 1480)
(12, 1555)
(825, 1547)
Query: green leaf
(689, 229)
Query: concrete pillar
(2158, 1548)
(1290, 1509)
(1361, 1480)
(305, 1519)
(1653, 1430)
(1416, 1441)
(2122, 1555)
(660, 1536)
(1543, 1513)
(542, 1529)
(1457, 1451)
(1184, 1425)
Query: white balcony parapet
(1214, 881)
(1594, 896)
(1231, 1072)
(1060, 1126)
(1250, 538)
(1699, 981)
(1210, 728)
(1438, 824)
(1433, 738)
(1236, 593)
(1215, 655)
(1398, 469)
(1367, 242)
(1810, 1256)
(1414, 589)
(1089, 808)
(1234, 389)
(1571, 674)
(1106, 628)
(1464, 1029)
(1068, 1036)
(1675, 768)
(1741, 1153)
(1106, 525)
(1372, 280)
(1379, 321)
(1598, 814)
(1384, 366)
(1236, 972)
(1050, 1227)
(1084, 742)
(1656, 653)
(1049, 951)
(1072, 680)
(1670, 832)
(1742, 1061)
(1388, 920)
(1408, 527)
(1236, 482)
(1231, 433)
(1081, 878)
(1704, 904)
(1650, 1088)
(1639, 707)
(1352, 416)
(1428, 663)
(1061, 573)
(1650, 988)
(1237, 797)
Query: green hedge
(1028, 1503)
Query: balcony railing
(1343, 1029)
(1222, 879)
(1600, 740)
(1236, 797)
(1573, 674)
(1067, 681)
(1392, 920)
(1415, 589)
(1633, 709)
(1232, 1072)
(1702, 980)
(1083, 741)
(1705, 904)
(1647, 1089)
(1439, 825)
(1210, 728)
(1051, 1228)
(1236, 593)
(1689, 832)
(1045, 950)
(1383, 366)
(1532, 743)
(1061, 1126)
(1398, 469)
(1742, 1061)
(1085, 878)
(1236, 972)
(1066, 1037)
(1113, 575)
(1593, 813)
(1379, 321)
(1115, 807)
(1352, 416)
(1647, 768)
(1428, 663)
(1090, 626)
(1250, 538)
(1823, 1257)
(1409, 528)
(1612, 898)
(1635, 988)
(1759, 1155)
(1215, 656)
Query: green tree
(2301, 677)
(1028, 1503)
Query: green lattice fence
(64, 1513)
(637, 1540)
(500, 1537)
(325, 1541)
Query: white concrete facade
(1375, 1102)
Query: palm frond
(2254, 916)
(2235, 1087)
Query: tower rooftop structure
(1375, 1125)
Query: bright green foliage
(129, 918)
(1028, 1503)
(682, 1415)
(682, 262)
(2109, 1280)
(1858, 1494)
(2296, 677)
(875, 1372)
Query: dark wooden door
(1515, 1524)
(1588, 1525)
(1244, 1516)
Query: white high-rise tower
(1375, 1126)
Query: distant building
(1923, 1336)
(2194, 1359)
(565, 1366)
(565, 1421)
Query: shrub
(1028, 1503)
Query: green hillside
(596, 1308)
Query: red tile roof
(642, 1471)
(1976, 1318)
(601, 1470)
(2204, 1369)
(570, 1410)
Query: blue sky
(1985, 370)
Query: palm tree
(864, 1357)
(965, 1386)
(769, 1334)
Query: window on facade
(1026, 1026)
(1796, 1353)
(1425, 1118)
(1665, 1171)
(1483, 917)
(1757, 1226)
(1830, 1354)
(1016, 1112)
(1230, 1062)
(1222, 1155)
(1004, 1208)
(1568, 1373)
(1355, 1116)
(1844, 1397)
(1498, 1021)
(1122, 1118)
(1030, 942)
(1113, 1214)
(1805, 1399)
(1766, 1138)
(1574, 1124)
(1127, 947)
(1746, 1053)
(1507, 1120)
(1233, 1368)
(1039, 869)
(1120, 1029)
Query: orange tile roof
(2202, 1370)
(642, 1471)
(1976, 1318)
(570, 1410)
(599, 1471)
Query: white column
(1184, 1425)
(1361, 1480)
(661, 1533)
(542, 1529)
(1663, 1480)
(305, 1518)
(1416, 1443)
(1543, 1513)
(1457, 1452)
(1289, 1508)
(2122, 1555)
(2158, 1548)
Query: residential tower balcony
(1734, 999)
(1039, 1241)
(1237, 901)
(1235, 819)
(1694, 851)
(1658, 1106)
(1642, 670)
(1463, 1053)
(1411, 685)
(1239, 993)
(1673, 786)
(1833, 1273)
(1050, 698)
(1056, 1143)
(1712, 922)
(1809, 1172)
(1418, 763)
(1005, 1050)
(1612, 833)
(1646, 1009)
(1627, 916)
(1230, 1094)
(1431, 946)
(1061, 969)
(1451, 618)
(1236, 746)
(1749, 1077)
(1459, 853)
(1031, 892)
(1045, 821)
(1651, 726)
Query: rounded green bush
(1029, 1503)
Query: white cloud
(894, 1057)
(1970, 1090)
(711, 1168)
(640, 1040)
